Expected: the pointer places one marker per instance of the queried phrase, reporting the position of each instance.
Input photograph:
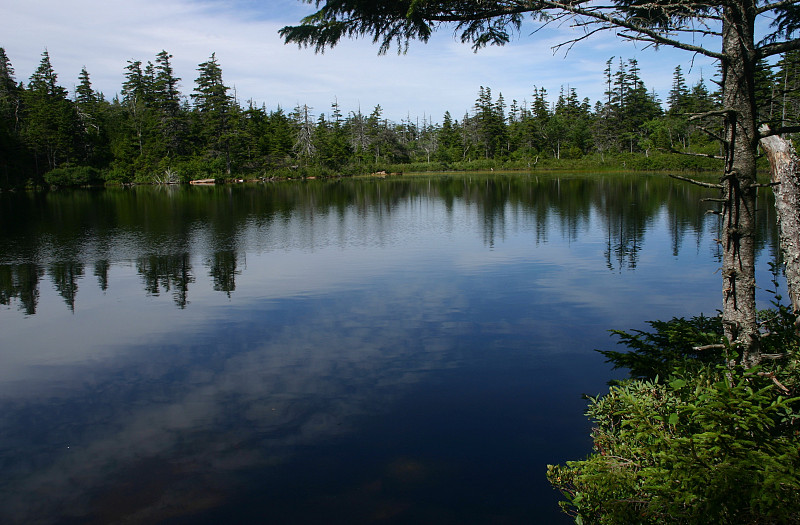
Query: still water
(408, 350)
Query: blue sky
(430, 79)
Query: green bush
(709, 447)
(689, 439)
(302, 172)
(672, 343)
(73, 176)
(118, 175)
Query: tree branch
(712, 134)
(714, 113)
(571, 43)
(774, 379)
(718, 346)
(698, 183)
(615, 21)
(775, 5)
(777, 48)
(692, 154)
(766, 131)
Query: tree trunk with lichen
(785, 179)
(739, 181)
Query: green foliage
(152, 133)
(672, 343)
(688, 439)
(117, 175)
(196, 168)
(709, 447)
(73, 176)
(302, 172)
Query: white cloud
(430, 79)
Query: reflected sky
(399, 351)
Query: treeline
(151, 132)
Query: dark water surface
(407, 350)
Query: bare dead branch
(715, 113)
(610, 19)
(718, 346)
(712, 134)
(774, 379)
(697, 182)
(569, 44)
(692, 154)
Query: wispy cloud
(429, 80)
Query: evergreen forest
(151, 132)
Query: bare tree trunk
(739, 182)
(785, 178)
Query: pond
(400, 350)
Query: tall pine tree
(213, 107)
(50, 120)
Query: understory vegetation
(688, 439)
(152, 133)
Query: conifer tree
(676, 99)
(304, 144)
(213, 106)
(136, 97)
(539, 123)
(359, 138)
(92, 136)
(50, 120)
(448, 149)
(788, 84)
(11, 150)
(167, 103)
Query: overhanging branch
(692, 154)
(614, 21)
(777, 48)
(698, 182)
(714, 113)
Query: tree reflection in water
(413, 348)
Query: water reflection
(160, 415)
(20, 282)
(164, 272)
(165, 229)
(408, 351)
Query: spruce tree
(50, 120)
(167, 104)
(92, 135)
(12, 154)
(676, 100)
(213, 106)
(448, 144)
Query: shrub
(709, 447)
(73, 176)
(118, 175)
(672, 343)
(688, 439)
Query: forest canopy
(152, 132)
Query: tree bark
(739, 181)
(785, 178)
